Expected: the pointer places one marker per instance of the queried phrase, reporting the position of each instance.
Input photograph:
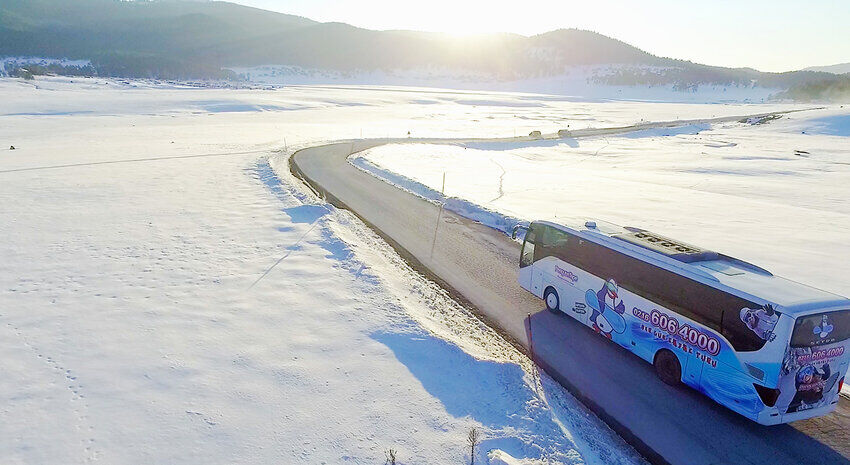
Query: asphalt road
(478, 265)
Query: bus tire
(667, 367)
(553, 302)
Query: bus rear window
(821, 329)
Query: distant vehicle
(565, 133)
(770, 349)
(537, 134)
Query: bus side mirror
(516, 229)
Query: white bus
(771, 349)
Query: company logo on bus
(824, 328)
(566, 275)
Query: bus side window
(699, 302)
(543, 244)
(561, 246)
(553, 243)
(742, 338)
(675, 292)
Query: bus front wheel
(553, 303)
(667, 367)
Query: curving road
(478, 266)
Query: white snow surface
(830, 125)
(169, 294)
(500, 457)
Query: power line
(134, 160)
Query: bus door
(526, 260)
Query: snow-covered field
(168, 294)
(775, 194)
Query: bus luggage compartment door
(692, 371)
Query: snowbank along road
(477, 265)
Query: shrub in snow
(472, 440)
(390, 457)
(23, 73)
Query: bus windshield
(821, 329)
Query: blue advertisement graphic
(647, 330)
(607, 310)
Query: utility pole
(439, 215)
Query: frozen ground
(169, 295)
(774, 194)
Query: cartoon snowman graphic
(608, 309)
(761, 321)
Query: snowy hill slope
(841, 68)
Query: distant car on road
(771, 349)
(565, 133)
(536, 134)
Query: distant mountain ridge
(185, 40)
(841, 68)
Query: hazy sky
(777, 35)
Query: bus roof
(710, 268)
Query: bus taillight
(768, 395)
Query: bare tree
(390, 456)
(472, 440)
